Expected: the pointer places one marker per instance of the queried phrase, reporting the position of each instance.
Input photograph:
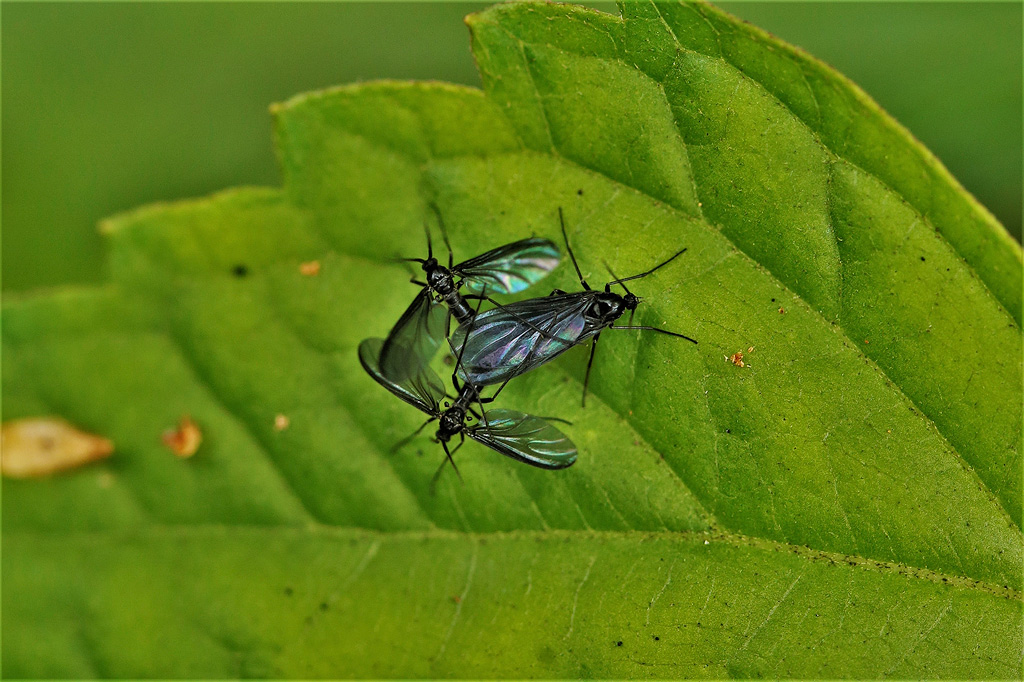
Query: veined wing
(510, 268)
(423, 389)
(515, 338)
(414, 339)
(525, 438)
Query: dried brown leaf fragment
(40, 446)
(184, 440)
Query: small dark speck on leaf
(618, 643)
(579, 191)
(922, 258)
(240, 270)
(288, 591)
(657, 639)
(773, 300)
(323, 606)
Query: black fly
(508, 341)
(508, 269)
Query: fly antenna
(430, 245)
(655, 329)
(644, 274)
(448, 454)
(444, 233)
(615, 279)
(437, 474)
(561, 220)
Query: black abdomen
(460, 309)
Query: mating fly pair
(400, 362)
(495, 346)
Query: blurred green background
(108, 106)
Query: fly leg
(586, 378)
(399, 444)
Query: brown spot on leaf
(310, 269)
(281, 422)
(184, 440)
(46, 445)
(737, 359)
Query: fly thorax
(606, 308)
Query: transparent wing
(412, 342)
(423, 389)
(510, 268)
(513, 339)
(525, 438)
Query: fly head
(440, 279)
(451, 423)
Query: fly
(523, 437)
(513, 339)
(508, 269)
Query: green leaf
(847, 504)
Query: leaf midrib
(312, 529)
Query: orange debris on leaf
(281, 422)
(310, 269)
(737, 359)
(184, 440)
(46, 445)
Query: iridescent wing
(525, 438)
(510, 268)
(423, 389)
(414, 339)
(513, 339)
